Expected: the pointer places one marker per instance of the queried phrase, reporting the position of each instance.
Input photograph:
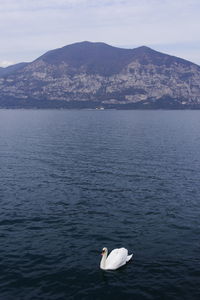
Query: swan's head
(104, 251)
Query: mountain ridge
(11, 69)
(88, 74)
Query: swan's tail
(129, 257)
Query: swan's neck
(103, 261)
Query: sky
(29, 28)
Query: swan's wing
(116, 258)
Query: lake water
(73, 182)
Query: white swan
(116, 259)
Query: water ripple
(72, 182)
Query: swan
(116, 259)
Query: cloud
(29, 28)
(6, 63)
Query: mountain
(87, 75)
(11, 69)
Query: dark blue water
(73, 182)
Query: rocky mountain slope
(11, 69)
(95, 74)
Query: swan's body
(116, 259)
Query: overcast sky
(29, 28)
